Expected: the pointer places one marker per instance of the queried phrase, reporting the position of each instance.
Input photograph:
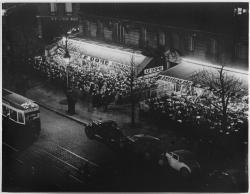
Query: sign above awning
(109, 53)
(185, 71)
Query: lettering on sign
(97, 60)
(111, 64)
(153, 70)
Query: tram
(20, 115)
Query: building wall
(55, 19)
(206, 46)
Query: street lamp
(67, 59)
(70, 99)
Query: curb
(62, 114)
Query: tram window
(5, 110)
(13, 115)
(20, 118)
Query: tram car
(20, 115)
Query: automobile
(227, 180)
(182, 161)
(107, 131)
(146, 147)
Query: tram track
(61, 158)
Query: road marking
(16, 150)
(94, 164)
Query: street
(63, 141)
(58, 157)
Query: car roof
(185, 154)
(103, 122)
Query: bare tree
(224, 89)
(135, 86)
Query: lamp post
(67, 59)
(69, 92)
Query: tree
(135, 86)
(223, 89)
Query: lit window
(5, 111)
(20, 118)
(240, 11)
(13, 115)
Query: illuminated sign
(95, 59)
(111, 64)
(174, 80)
(153, 70)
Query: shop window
(13, 115)
(68, 8)
(5, 110)
(20, 117)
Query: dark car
(107, 131)
(147, 147)
(229, 180)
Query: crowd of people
(105, 85)
(102, 84)
(192, 113)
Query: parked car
(182, 161)
(228, 180)
(146, 146)
(106, 130)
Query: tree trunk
(132, 113)
(224, 119)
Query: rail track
(64, 163)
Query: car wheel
(89, 133)
(184, 172)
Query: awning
(108, 52)
(185, 71)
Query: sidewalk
(50, 97)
